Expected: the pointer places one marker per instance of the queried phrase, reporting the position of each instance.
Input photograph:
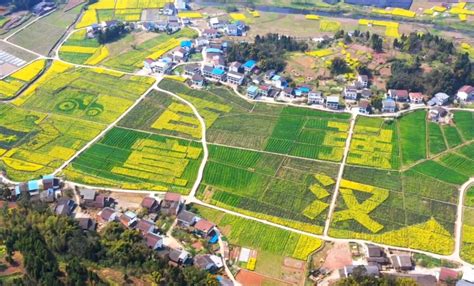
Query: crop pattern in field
(132, 159)
(289, 191)
(58, 114)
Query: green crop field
(458, 163)
(257, 184)
(137, 160)
(469, 199)
(440, 172)
(436, 139)
(452, 136)
(413, 137)
(464, 121)
(46, 32)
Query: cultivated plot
(58, 114)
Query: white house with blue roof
(249, 66)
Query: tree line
(268, 50)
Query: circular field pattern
(67, 105)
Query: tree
(339, 66)
(376, 42)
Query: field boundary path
(347, 147)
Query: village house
(252, 91)
(289, 92)
(169, 9)
(269, 75)
(214, 57)
(249, 66)
(145, 226)
(233, 30)
(198, 80)
(108, 215)
(90, 199)
(161, 26)
(235, 67)
(43, 7)
(162, 66)
(180, 4)
(400, 95)
(347, 271)
(376, 255)
(172, 203)
(178, 257)
(208, 262)
(87, 224)
(445, 275)
(303, 90)
(415, 97)
(64, 207)
(366, 93)
(204, 228)
(235, 78)
(389, 105)
(439, 99)
(364, 106)
(279, 82)
(128, 219)
(216, 23)
(173, 27)
(186, 218)
(201, 42)
(47, 196)
(150, 204)
(466, 93)
(190, 70)
(214, 73)
(350, 92)
(180, 55)
(315, 97)
(210, 33)
(402, 262)
(154, 241)
(362, 81)
(332, 102)
(264, 90)
(438, 114)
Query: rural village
(193, 137)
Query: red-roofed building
(151, 204)
(466, 93)
(400, 95)
(108, 215)
(171, 204)
(145, 226)
(154, 241)
(415, 97)
(446, 274)
(204, 227)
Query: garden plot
(408, 209)
(131, 58)
(374, 144)
(58, 114)
(79, 49)
(255, 235)
(136, 160)
(288, 191)
(46, 32)
(11, 85)
(413, 137)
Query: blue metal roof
(213, 50)
(252, 88)
(186, 44)
(33, 185)
(304, 89)
(17, 190)
(217, 71)
(250, 64)
(406, 4)
(48, 177)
